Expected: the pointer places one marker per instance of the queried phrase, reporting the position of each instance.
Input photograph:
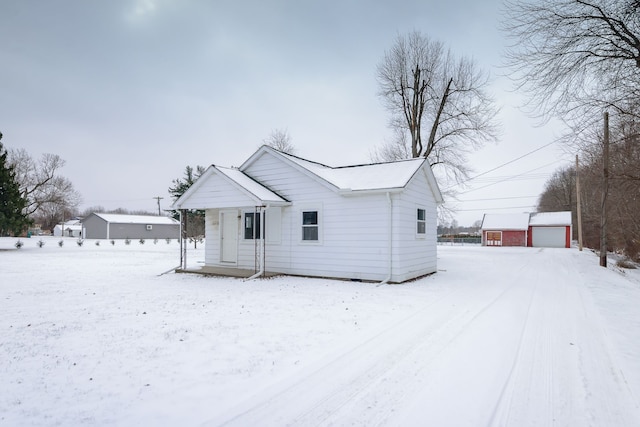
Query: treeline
(623, 191)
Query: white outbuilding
(279, 213)
(71, 228)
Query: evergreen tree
(194, 217)
(12, 204)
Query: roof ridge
(346, 166)
(300, 158)
(421, 159)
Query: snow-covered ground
(93, 335)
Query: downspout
(390, 261)
(261, 247)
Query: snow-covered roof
(76, 227)
(358, 178)
(519, 221)
(69, 223)
(363, 177)
(550, 218)
(522, 221)
(258, 190)
(347, 179)
(136, 219)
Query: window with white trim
(310, 226)
(421, 222)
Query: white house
(71, 228)
(367, 222)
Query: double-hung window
(310, 226)
(252, 225)
(421, 229)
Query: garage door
(548, 237)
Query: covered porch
(241, 273)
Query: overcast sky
(129, 92)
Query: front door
(229, 236)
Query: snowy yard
(93, 335)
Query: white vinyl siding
(352, 231)
(415, 257)
(217, 192)
(273, 225)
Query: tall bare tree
(280, 139)
(429, 91)
(41, 183)
(576, 58)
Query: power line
(502, 165)
(522, 177)
(510, 178)
(497, 198)
(492, 209)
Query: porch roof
(238, 189)
(259, 191)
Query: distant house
(71, 228)
(279, 213)
(538, 230)
(116, 226)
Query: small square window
(149, 227)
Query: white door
(548, 237)
(229, 236)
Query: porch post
(183, 238)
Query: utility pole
(158, 198)
(579, 208)
(605, 190)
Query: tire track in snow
(371, 380)
(564, 372)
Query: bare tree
(624, 188)
(427, 89)
(559, 191)
(398, 148)
(280, 140)
(41, 184)
(575, 58)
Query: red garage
(538, 230)
(505, 229)
(550, 230)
